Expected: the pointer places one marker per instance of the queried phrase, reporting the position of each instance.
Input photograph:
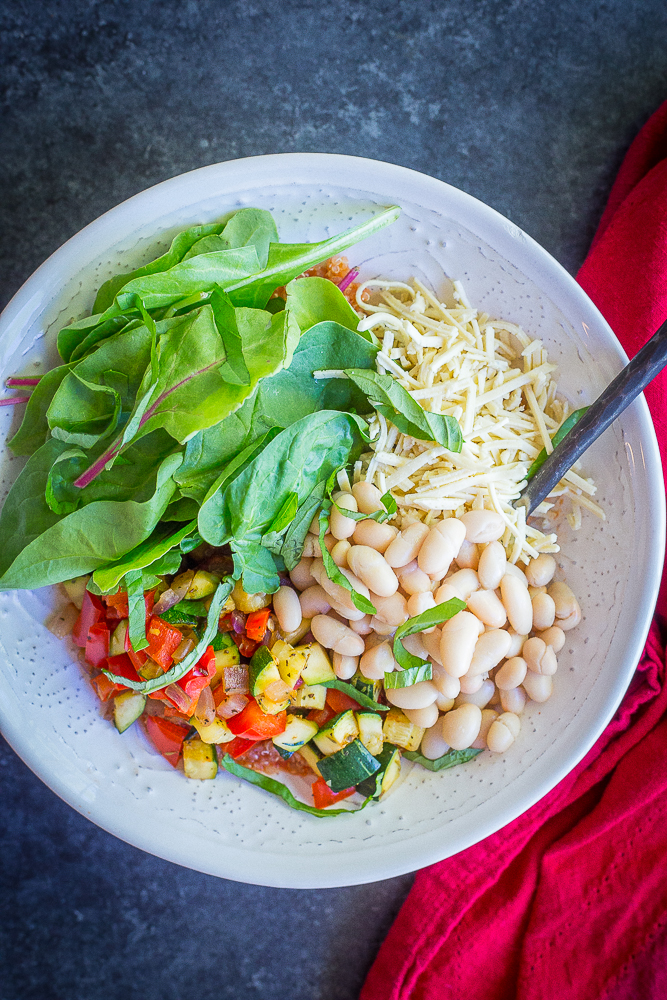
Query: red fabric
(570, 900)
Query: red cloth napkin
(570, 900)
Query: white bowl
(48, 711)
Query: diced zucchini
(318, 667)
(297, 733)
(398, 729)
(373, 689)
(390, 768)
(348, 766)
(269, 706)
(285, 754)
(310, 696)
(263, 671)
(117, 640)
(338, 733)
(227, 655)
(312, 757)
(298, 633)
(203, 584)
(217, 732)
(249, 602)
(127, 707)
(290, 661)
(370, 731)
(199, 760)
(75, 589)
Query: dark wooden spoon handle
(627, 385)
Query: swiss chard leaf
(564, 428)
(94, 416)
(397, 405)
(450, 759)
(58, 485)
(134, 585)
(234, 370)
(333, 572)
(34, 428)
(315, 300)
(427, 619)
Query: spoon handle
(629, 382)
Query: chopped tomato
(104, 688)
(237, 747)
(324, 797)
(138, 657)
(122, 666)
(321, 715)
(92, 612)
(167, 737)
(254, 724)
(97, 644)
(338, 701)
(256, 622)
(162, 641)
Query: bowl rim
(531, 259)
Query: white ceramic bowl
(48, 711)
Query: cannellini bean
(345, 666)
(544, 611)
(373, 569)
(512, 721)
(481, 697)
(368, 497)
(517, 642)
(414, 580)
(363, 626)
(448, 686)
(339, 552)
(554, 637)
(513, 570)
(311, 547)
(492, 565)
(372, 640)
(413, 643)
(468, 557)
(419, 695)
(340, 594)
(382, 628)
(314, 601)
(471, 683)
(488, 608)
(513, 701)
(511, 674)
(404, 548)
(441, 546)
(314, 527)
(534, 591)
(461, 726)
(433, 743)
(483, 525)
(539, 657)
(301, 576)
(540, 571)
(464, 582)
(444, 704)
(431, 640)
(423, 717)
(503, 732)
(457, 643)
(378, 536)
(351, 614)
(517, 603)
(334, 635)
(568, 612)
(490, 649)
(539, 687)
(391, 610)
(287, 609)
(445, 593)
(339, 525)
(419, 603)
(488, 718)
(377, 661)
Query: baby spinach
(234, 369)
(94, 415)
(252, 227)
(316, 300)
(142, 556)
(58, 483)
(34, 428)
(427, 619)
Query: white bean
(344, 666)
(539, 687)
(468, 557)
(301, 576)
(431, 640)
(414, 580)
(544, 611)
(433, 743)
(382, 628)
(461, 726)
(404, 548)
(377, 661)
(487, 607)
(311, 547)
(339, 525)
(340, 594)
(539, 657)
(368, 497)
(287, 609)
(444, 704)
(481, 697)
(464, 582)
(363, 626)
(490, 649)
(457, 643)
(448, 686)
(540, 571)
(512, 721)
(335, 635)
(339, 552)
(471, 683)
(413, 643)
(419, 695)
(513, 701)
(390, 610)
(351, 614)
(534, 591)
(517, 642)
(423, 717)
(502, 732)
(492, 563)
(568, 612)
(373, 569)
(378, 536)
(518, 573)
(517, 603)
(419, 603)
(314, 601)
(441, 546)
(554, 637)
(483, 525)
(511, 674)
(488, 718)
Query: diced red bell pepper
(137, 657)
(338, 701)
(163, 639)
(324, 797)
(200, 675)
(238, 746)
(122, 666)
(321, 715)
(104, 688)
(117, 605)
(92, 612)
(256, 623)
(97, 644)
(246, 646)
(254, 724)
(167, 737)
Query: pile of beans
(487, 660)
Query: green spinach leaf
(34, 429)
(316, 300)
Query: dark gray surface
(526, 105)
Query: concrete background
(529, 106)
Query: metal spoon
(628, 384)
